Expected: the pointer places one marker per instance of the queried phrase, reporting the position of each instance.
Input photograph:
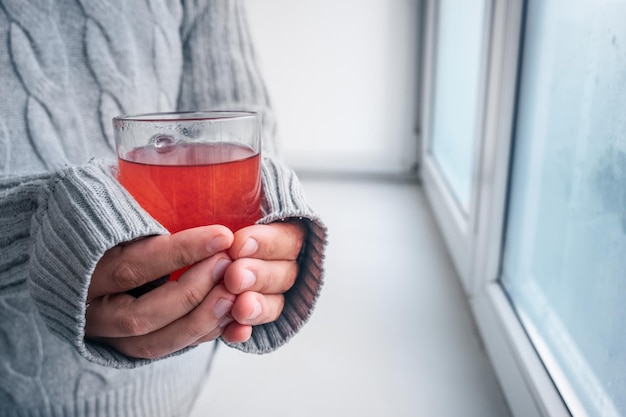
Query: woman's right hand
(177, 314)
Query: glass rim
(190, 116)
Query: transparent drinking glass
(191, 169)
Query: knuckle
(132, 325)
(182, 257)
(266, 285)
(192, 297)
(269, 282)
(125, 276)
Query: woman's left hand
(264, 267)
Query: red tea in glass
(192, 169)
(204, 190)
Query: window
(564, 264)
(454, 74)
(540, 244)
(456, 96)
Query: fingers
(174, 316)
(237, 333)
(276, 241)
(264, 268)
(233, 333)
(125, 267)
(267, 277)
(249, 309)
(195, 308)
(253, 308)
(121, 315)
(205, 322)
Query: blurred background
(342, 77)
(468, 159)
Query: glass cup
(192, 169)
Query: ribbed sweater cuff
(284, 200)
(81, 213)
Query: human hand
(175, 315)
(264, 267)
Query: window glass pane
(459, 58)
(565, 247)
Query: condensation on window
(565, 247)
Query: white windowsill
(392, 334)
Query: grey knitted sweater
(66, 68)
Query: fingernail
(248, 279)
(222, 307)
(218, 244)
(249, 248)
(256, 312)
(220, 268)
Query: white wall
(342, 76)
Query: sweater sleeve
(54, 229)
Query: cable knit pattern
(5, 149)
(40, 58)
(66, 68)
(220, 67)
(119, 63)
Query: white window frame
(456, 223)
(475, 238)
